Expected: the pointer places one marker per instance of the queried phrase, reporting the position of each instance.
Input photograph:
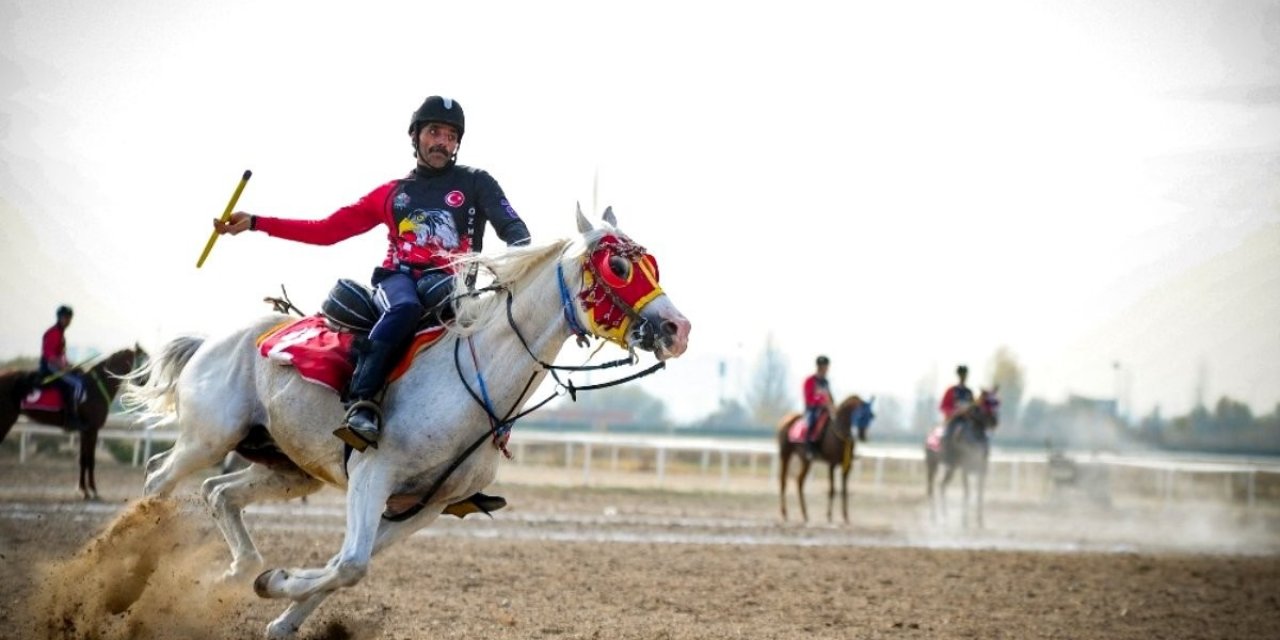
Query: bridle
(500, 427)
(97, 379)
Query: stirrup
(477, 503)
(356, 439)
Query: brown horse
(101, 383)
(835, 448)
(970, 449)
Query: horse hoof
(278, 630)
(262, 584)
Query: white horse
(217, 391)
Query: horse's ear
(609, 217)
(584, 225)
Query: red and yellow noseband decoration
(618, 279)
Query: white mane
(514, 269)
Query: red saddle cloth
(323, 356)
(43, 399)
(934, 440)
(799, 428)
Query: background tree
(925, 415)
(1008, 374)
(890, 415)
(731, 414)
(768, 398)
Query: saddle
(320, 347)
(49, 398)
(352, 307)
(798, 430)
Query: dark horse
(835, 448)
(101, 383)
(969, 450)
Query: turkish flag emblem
(454, 198)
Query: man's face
(437, 143)
(822, 370)
(64, 321)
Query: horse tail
(152, 389)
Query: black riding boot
(374, 361)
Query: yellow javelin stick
(226, 215)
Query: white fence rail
(1012, 471)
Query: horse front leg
(982, 483)
(367, 495)
(930, 474)
(844, 492)
(287, 625)
(88, 443)
(964, 479)
(804, 473)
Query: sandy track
(600, 563)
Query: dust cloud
(152, 573)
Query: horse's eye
(620, 267)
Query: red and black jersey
(53, 349)
(431, 216)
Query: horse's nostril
(669, 328)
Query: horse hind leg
(228, 495)
(186, 456)
(831, 492)
(783, 469)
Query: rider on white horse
(434, 214)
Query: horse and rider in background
(76, 398)
(823, 431)
(962, 442)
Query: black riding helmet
(65, 311)
(439, 109)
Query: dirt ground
(569, 562)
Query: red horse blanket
(43, 399)
(323, 356)
(799, 428)
(934, 440)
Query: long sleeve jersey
(53, 349)
(817, 392)
(431, 216)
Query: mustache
(438, 148)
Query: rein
(93, 374)
(500, 428)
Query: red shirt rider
(817, 399)
(956, 396)
(53, 346)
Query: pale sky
(902, 186)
